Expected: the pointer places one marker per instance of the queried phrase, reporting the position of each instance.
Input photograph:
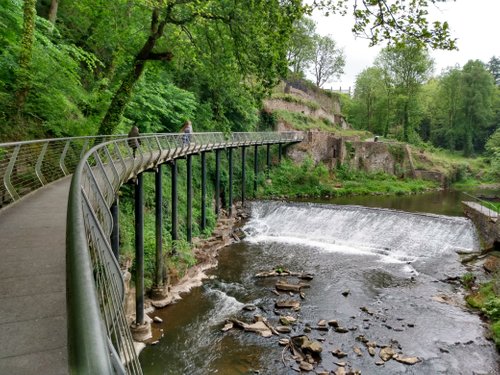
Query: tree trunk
(53, 11)
(121, 99)
(406, 124)
(25, 56)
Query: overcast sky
(475, 24)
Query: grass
(487, 300)
(310, 180)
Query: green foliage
(328, 60)
(468, 279)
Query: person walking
(133, 141)
(187, 129)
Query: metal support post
(243, 177)
(189, 221)
(203, 190)
(115, 233)
(174, 200)
(217, 182)
(158, 227)
(139, 251)
(280, 152)
(230, 157)
(268, 158)
(255, 169)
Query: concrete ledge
(486, 222)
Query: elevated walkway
(33, 333)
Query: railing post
(115, 233)
(230, 157)
(243, 176)
(189, 200)
(217, 182)
(255, 169)
(174, 200)
(139, 250)
(158, 282)
(203, 190)
(268, 157)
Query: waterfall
(394, 236)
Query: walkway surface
(33, 283)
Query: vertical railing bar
(38, 165)
(62, 165)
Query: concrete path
(33, 283)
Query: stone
(339, 353)
(380, 363)
(406, 360)
(386, 353)
(259, 327)
(341, 330)
(306, 366)
(287, 304)
(286, 287)
(306, 276)
(492, 264)
(333, 323)
(365, 309)
(157, 319)
(357, 350)
(341, 364)
(284, 342)
(346, 292)
(249, 307)
(283, 329)
(322, 323)
(371, 351)
(227, 327)
(340, 371)
(287, 320)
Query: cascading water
(392, 263)
(394, 236)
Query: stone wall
(487, 223)
(334, 150)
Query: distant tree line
(458, 110)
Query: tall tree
(301, 47)
(328, 62)
(494, 68)
(25, 55)
(408, 65)
(478, 90)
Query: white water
(392, 236)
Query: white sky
(475, 24)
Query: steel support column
(230, 157)
(174, 199)
(255, 169)
(189, 199)
(243, 177)
(203, 190)
(280, 152)
(139, 250)
(158, 281)
(115, 233)
(217, 182)
(268, 157)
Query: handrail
(488, 205)
(98, 331)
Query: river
(382, 273)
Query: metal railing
(99, 338)
(27, 166)
(485, 207)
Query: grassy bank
(487, 300)
(309, 180)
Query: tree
(256, 31)
(25, 55)
(384, 20)
(408, 66)
(369, 110)
(478, 92)
(301, 47)
(329, 61)
(494, 68)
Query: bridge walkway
(33, 333)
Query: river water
(396, 266)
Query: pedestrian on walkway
(187, 129)
(133, 141)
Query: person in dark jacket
(187, 129)
(134, 142)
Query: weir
(395, 236)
